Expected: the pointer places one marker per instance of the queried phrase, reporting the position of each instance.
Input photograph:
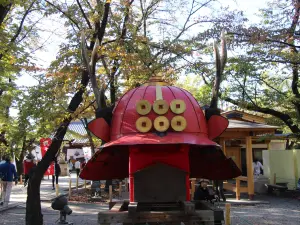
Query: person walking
(77, 167)
(9, 174)
(257, 167)
(28, 163)
(70, 164)
(56, 174)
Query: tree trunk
(4, 9)
(33, 204)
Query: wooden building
(244, 140)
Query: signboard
(45, 143)
(83, 154)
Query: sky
(52, 24)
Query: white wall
(281, 162)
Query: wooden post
(227, 214)
(269, 145)
(57, 190)
(223, 145)
(21, 179)
(238, 189)
(126, 184)
(249, 159)
(193, 188)
(274, 178)
(110, 193)
(120, 190)
(77, 184)
(70, 188)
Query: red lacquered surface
(100, 129)
(216, 126)
(172, 155)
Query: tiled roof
(238, 124)
(77, 131)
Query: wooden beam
(249, 159)
(193, 188)
(223, 145)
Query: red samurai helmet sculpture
(153, 131)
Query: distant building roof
(245, 116)
(238, 124)
(77, 131)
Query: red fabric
(106, 165)
(216, 126)
(27, 165)
(212, 164)
(45, 144)
(100, 129)
(172, 155)
(206, 162)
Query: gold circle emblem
(178, 123)
(161, 123)
(160, 107)
(177, 106)
(143, 124)
(143, 107)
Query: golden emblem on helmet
(161, 123)
(178, 123)
(143, 107)
(177, 106)
(143, 124)
(160, 107)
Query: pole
(110, 193)
(57, 190)
(120, 190)
(227, 214)
(21, 179)
(70, 188)
(193, 188)
(77, 184)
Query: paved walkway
(279, 211)
(19, 192)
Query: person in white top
(257, 167)
(77, 167)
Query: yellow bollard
(70, 188)
(110, 193)
(227, 214)
(57, 190)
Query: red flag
(45, 143)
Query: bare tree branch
(84, 15)
(64, 13)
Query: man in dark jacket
(202, 192)
(8, 174)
